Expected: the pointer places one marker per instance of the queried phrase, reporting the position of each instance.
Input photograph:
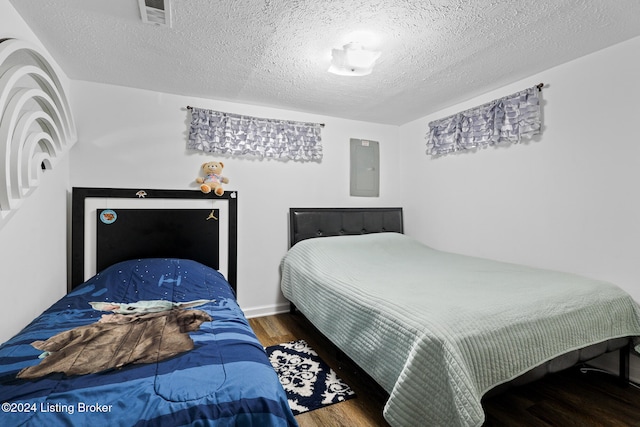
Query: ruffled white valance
(236, 135)
(507, 119)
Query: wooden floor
(567, 399)
(363, 411)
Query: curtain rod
(539, 86)
(189, 107)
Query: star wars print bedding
(145, 342)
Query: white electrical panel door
(365, 168)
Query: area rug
(308, 381)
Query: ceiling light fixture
(353, 60)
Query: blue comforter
(225, 380)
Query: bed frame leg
(624, 365)
(292, 308)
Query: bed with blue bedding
(224, 380)
(150, 332)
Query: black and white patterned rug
(308, 381)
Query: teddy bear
(213, 178)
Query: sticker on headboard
(212, 215)
(108, 216)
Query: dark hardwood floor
(569, 398)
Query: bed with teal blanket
(210, 369)
(439, 330)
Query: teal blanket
(437, 330)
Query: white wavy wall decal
(36, 125)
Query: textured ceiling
(276, 53)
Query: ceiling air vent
(157, 12)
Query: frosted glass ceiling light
(353, 60)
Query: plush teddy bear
(213, 178)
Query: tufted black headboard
(306, 223)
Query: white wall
(568, 200)
(33, 242)
(134, 138)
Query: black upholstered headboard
(109, 225)
(306, 223)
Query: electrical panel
(365, 168)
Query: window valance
(237, 135)
(507, 119)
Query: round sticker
(108, 216)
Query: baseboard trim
(266, 310)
